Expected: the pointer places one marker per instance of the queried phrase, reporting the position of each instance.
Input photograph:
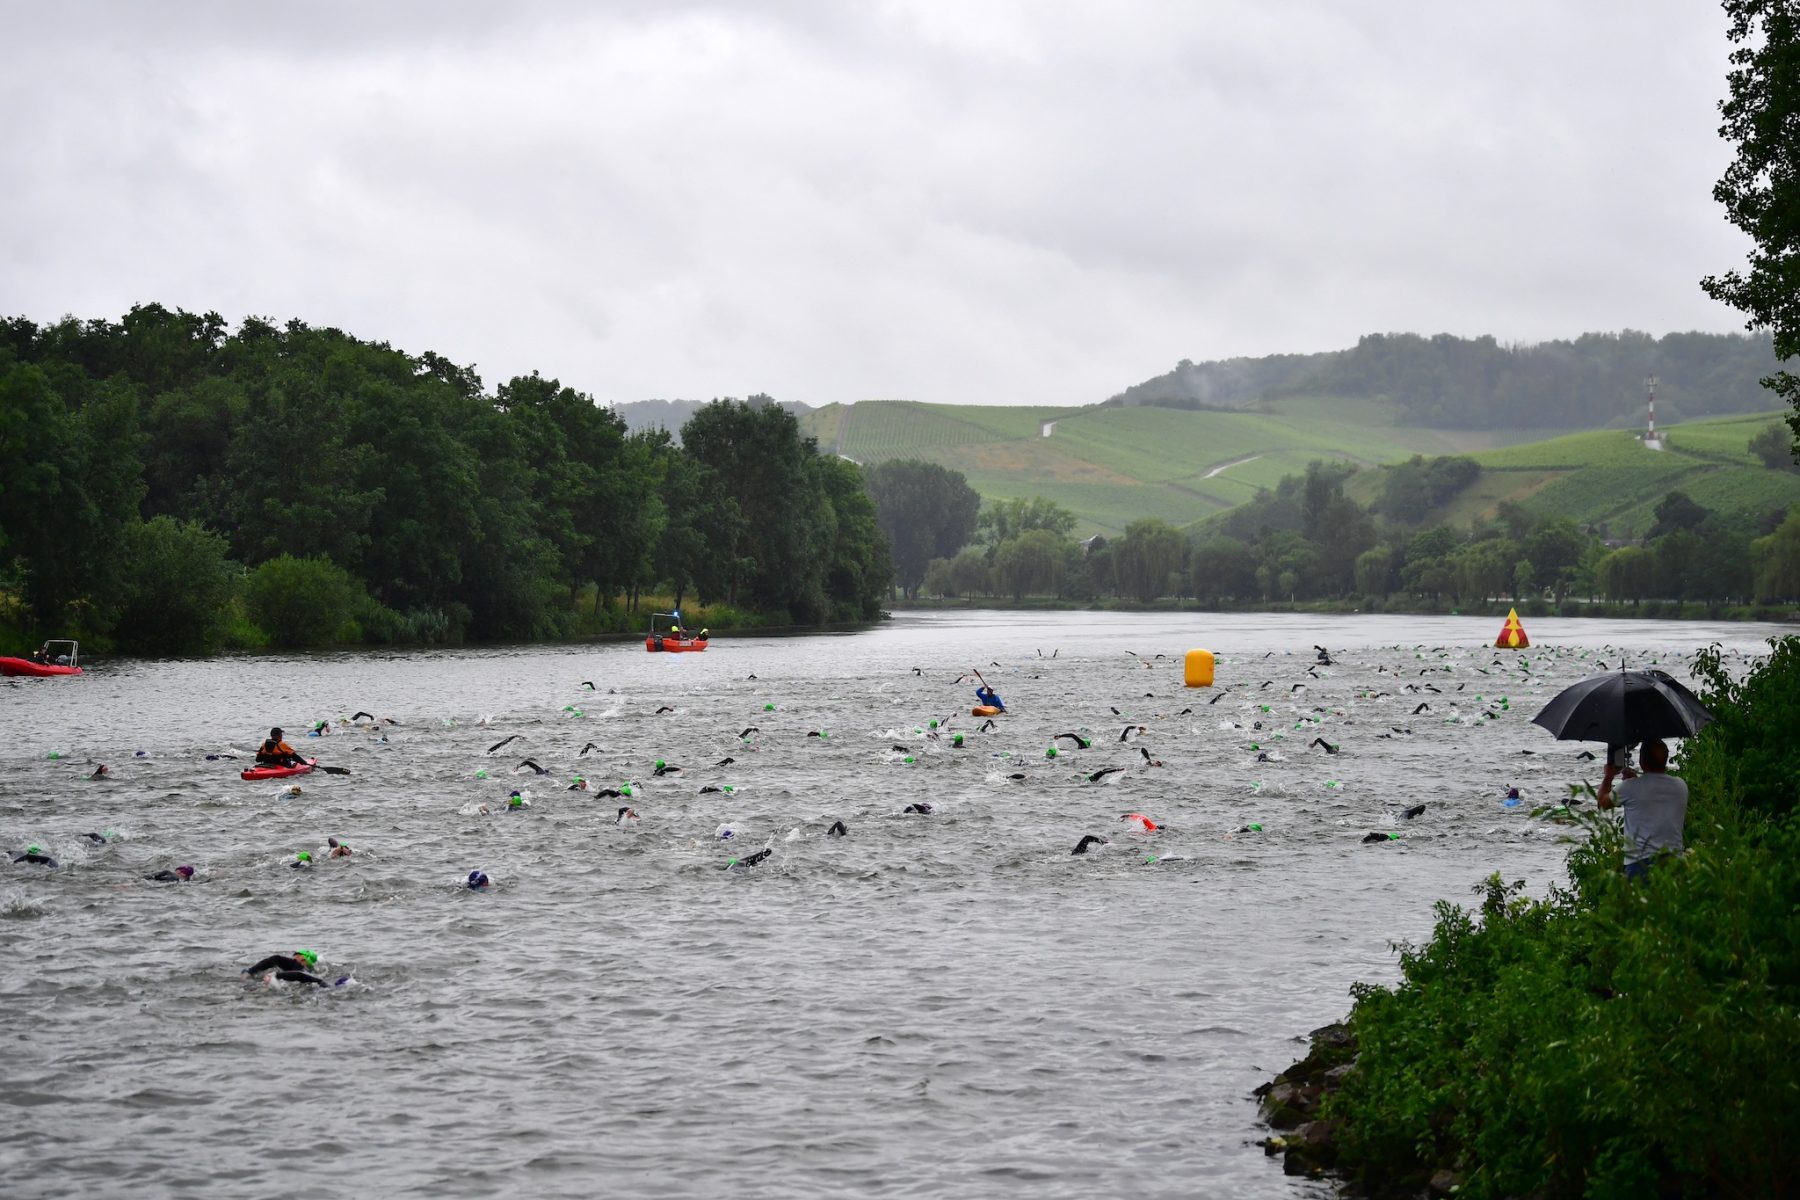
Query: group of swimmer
(301, 966)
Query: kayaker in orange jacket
(276, 753)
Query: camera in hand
(1618, 756)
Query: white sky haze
(958, 201)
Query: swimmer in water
(178, 875)
(297, 967)
(922, 808)
(838, 829)
(626, 814)
(1143, 822)
(100, 772)
(1092, 839)
(338, 849)
(479, 882)
(749, 860)
(35, 855)
(302, 859)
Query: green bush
(301, 602)
(1617, 1039)
(176, 587)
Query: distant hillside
(1445, 382)
(673, 414)
(1113, 464)
(1609, 481)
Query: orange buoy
(1512, 635)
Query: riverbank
(586, 623)
(1649, 610)
(1616, 1038)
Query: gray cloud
(1005, 202)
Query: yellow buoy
(1199, 668)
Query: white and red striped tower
(1650, 438)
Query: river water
(942, 1004)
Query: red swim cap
(1149, 825)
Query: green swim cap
(312, 960)
(1255, 828)
(768, 708)
(303, 856)
(1050, 753)
(34, 848)
(482, 773)
(625, 790)
(661, 763)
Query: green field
(1609, 479)
(1111, 466)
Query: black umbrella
(1623, 707)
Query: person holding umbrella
(1655, 805)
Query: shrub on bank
(1614, 1039)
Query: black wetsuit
(300, 977)
(279, 962)
(42, 860)
(165, 877)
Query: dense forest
(1447, 382)
(171, 485)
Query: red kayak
(278, 772)
(24, 666)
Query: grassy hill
(1112, 465)
(1608, 478)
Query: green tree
(1004, 520)
(1030, 564)
(1285, 565)
(1426, 569)
(756, 455)
(858, 569)
(1555, 549)
(1145, 556)
(1761, 188)
(1628, 573)
(970, 574)
(301, 602)
(1677, 511)
(1775, 449)
(1223, 568)
(1374, 571)
(926, 511)
(177, 583)
(1778, 559)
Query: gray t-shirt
(1655, 807)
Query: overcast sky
(957, 201)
